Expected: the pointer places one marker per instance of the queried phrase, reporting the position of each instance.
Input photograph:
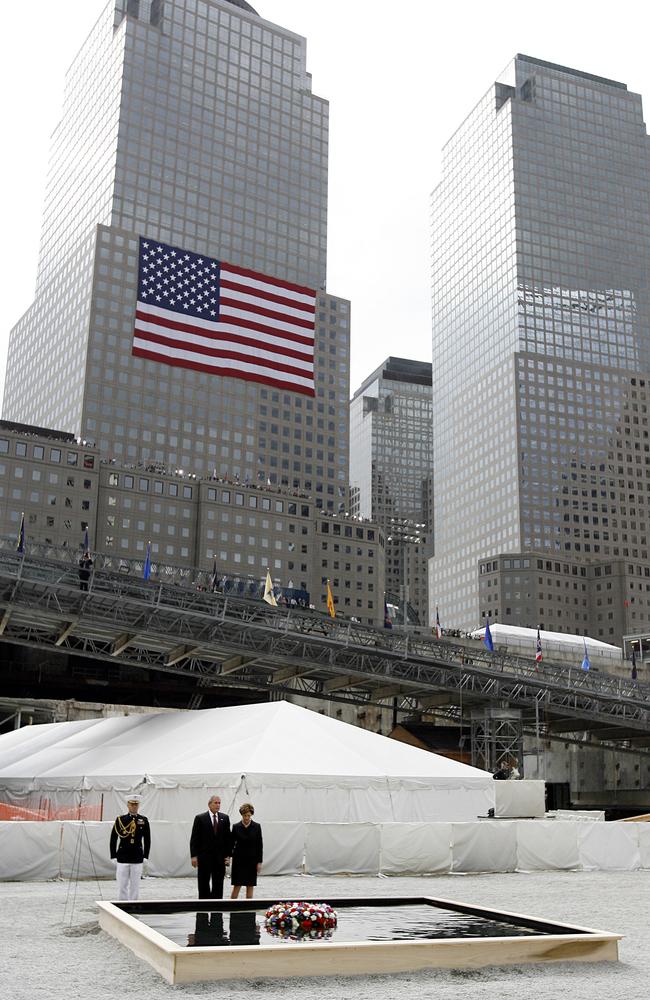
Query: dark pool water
(404, 922)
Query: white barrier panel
(170, 849)
(416, 848)
(484, 847)
(580, 815)
(29, 850)
(342, 848)
(609, 846)
(41, 850)
(544, 845)
(85, 849)
(284, 848)
(519, 799)
(437, 804)
(644, 843)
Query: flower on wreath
(300, 921)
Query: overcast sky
(400, 77)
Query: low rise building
(65, 488)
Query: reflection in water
(244, 928)
(413, 921)
(208, 930)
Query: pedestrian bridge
(216, 640)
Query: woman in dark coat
(246, 852)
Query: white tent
(292, 763)
(558, 646)
(528, 636)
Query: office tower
(541, 346)
(191, 124)
(390, 460)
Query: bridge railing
(44, 566)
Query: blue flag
(146, 573)
(585, 663)
(438, 628)
(487, 638)
(20, 543)
(634, 673)
(86, 541)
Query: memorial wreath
(300, 921)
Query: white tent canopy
(292, 763)
(528, 636)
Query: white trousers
(128, 881)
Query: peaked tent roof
(269, 738)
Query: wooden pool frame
(556, 943)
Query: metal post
(537, 734)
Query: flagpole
(537, 734)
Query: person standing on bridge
(210, 849)
(85, 567)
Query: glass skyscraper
(390, 461)
(541, 347)
(191, 122)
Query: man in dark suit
(210, 849)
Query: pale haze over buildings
(398, 84)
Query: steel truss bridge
(215, 640)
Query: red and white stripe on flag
(196, 312)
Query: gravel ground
(52, 946)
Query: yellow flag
(269, 596)
(330, 601)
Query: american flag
(538, 648)
(196, 312)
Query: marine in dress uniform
(130, 845)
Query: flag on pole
(634, 672)
(214, 582)
(269, 596)
(86, 541)
(199, 313)
(487, 638)
(538, 648)
(330, 601)
(146, 572)
(387, 622)
(585, 662)
(438, 629)
(20, 541)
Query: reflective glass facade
(192, 122)
(541, 332)
(390, 460)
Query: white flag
(269, 596)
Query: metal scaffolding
(497, 738)
(215, 640)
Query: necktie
(214, 822)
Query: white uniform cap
(134, 798)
